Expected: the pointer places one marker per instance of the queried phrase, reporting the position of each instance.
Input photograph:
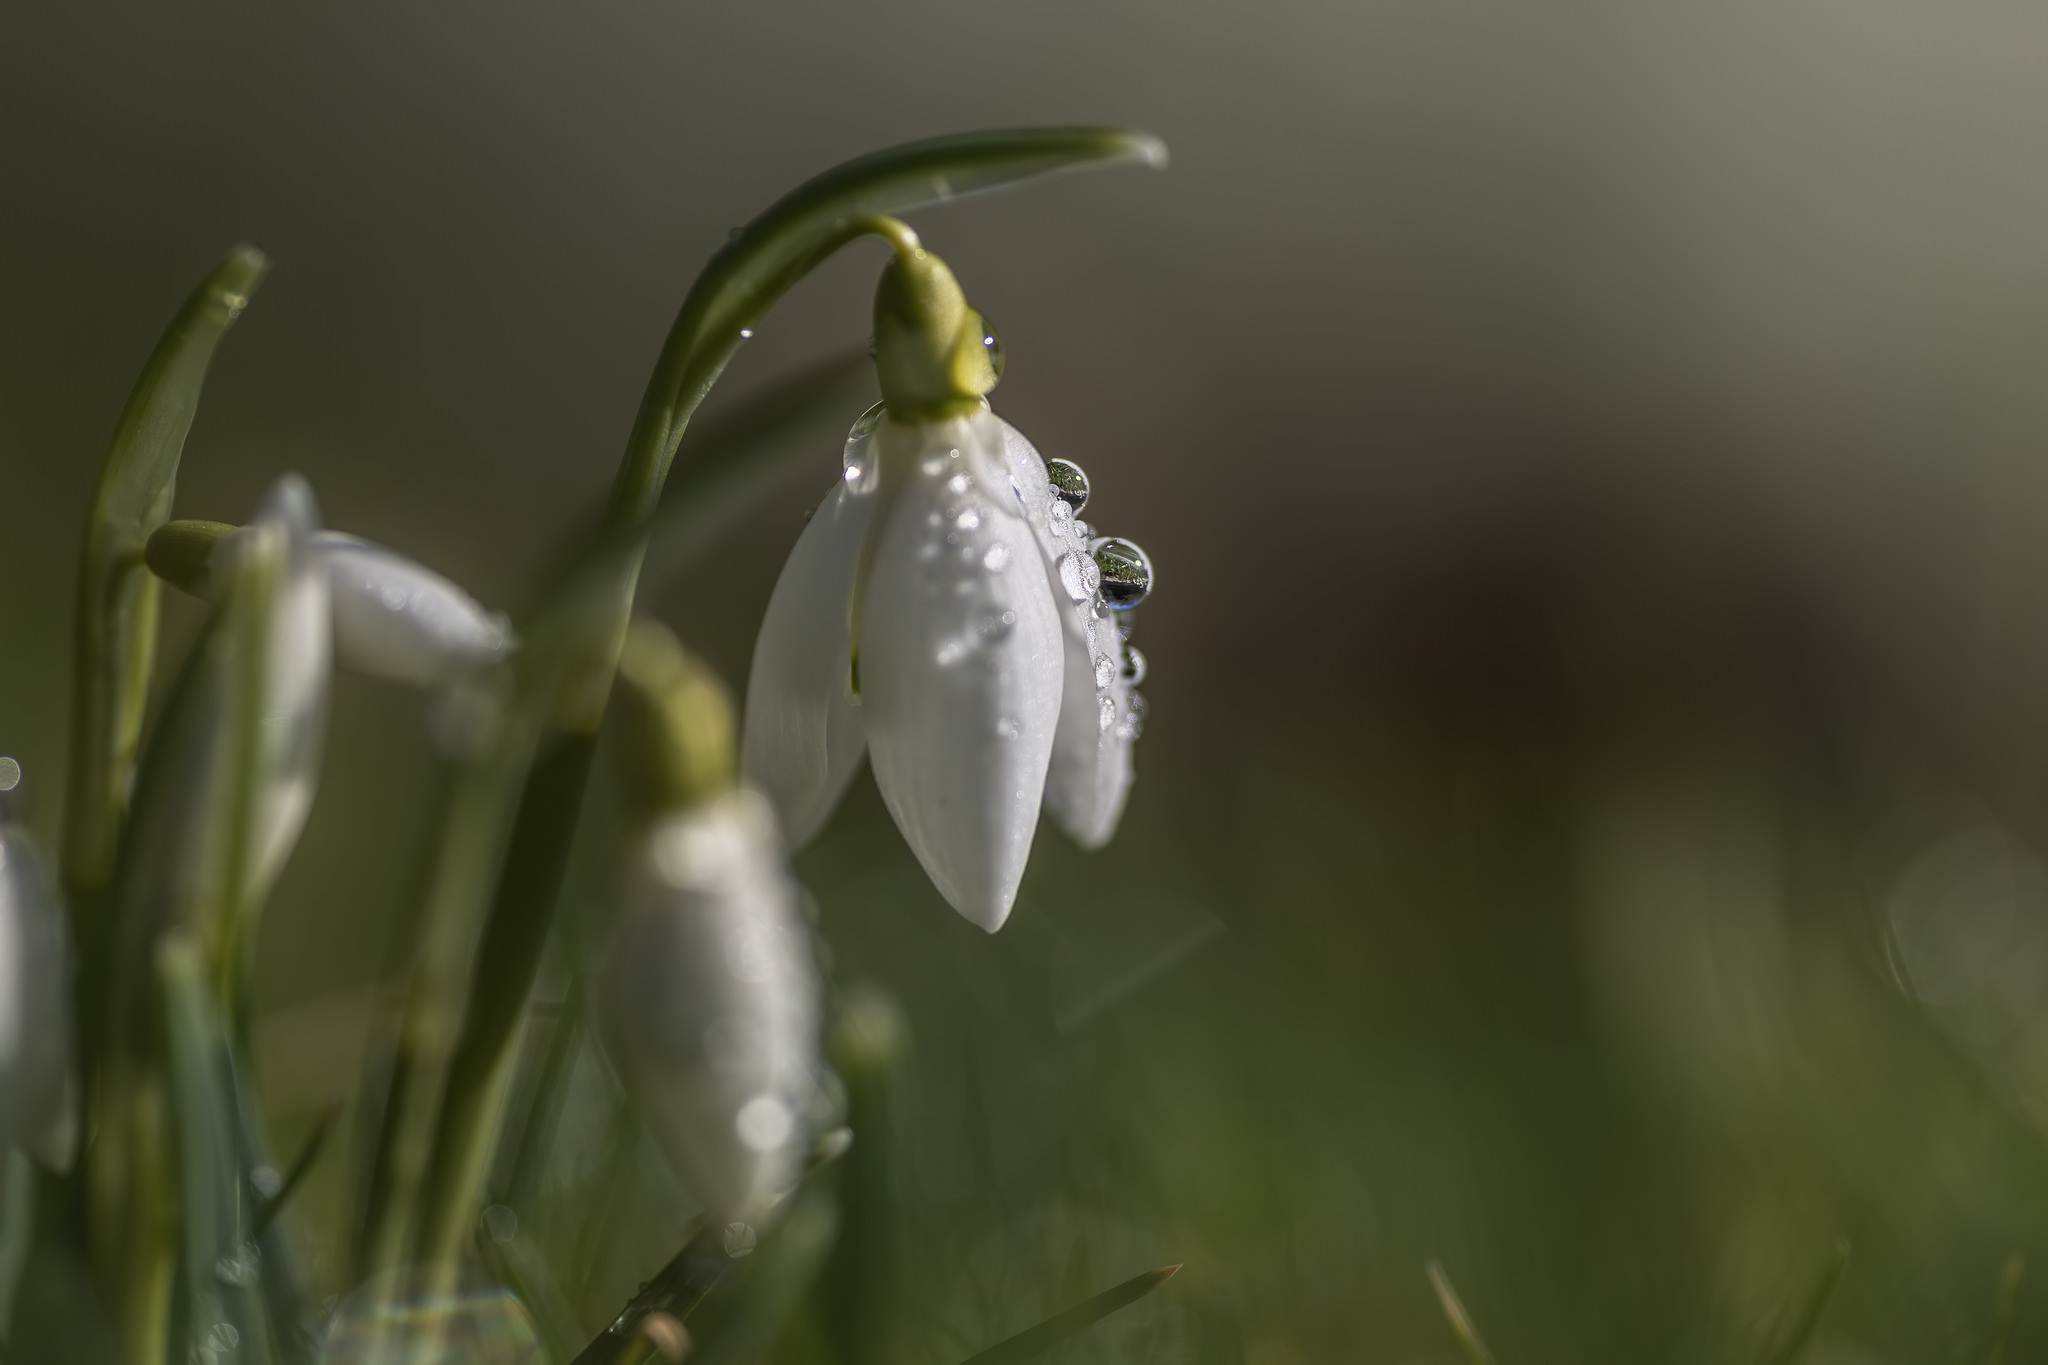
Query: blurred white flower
(708, 1003)
(38, 1095)
(993, 673)
(395, 618)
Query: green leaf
(1036, 1341)
(117, 600)
(1461, 1322)
(223, 1308)
(1798, 1329)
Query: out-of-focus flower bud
(394, 618)
(38, 1094)
(709, 992)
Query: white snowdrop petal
(1090, 774)
(300, 660)
(1089, 778)
(710, 1004)
(801, 736)
(38, 1100)
(961, 667)
(395, 618)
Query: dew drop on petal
(865, 425)
(1108, 705)
(740, 1239)
(959, 483)
(1083, 529)
(1079, 575)
(1105, 670)
(1009, 727)
(1062, 517)
(997, 559)
(1125, 572)
(853, 473)
(1134, 666)
(1135, 715)
(1069, 484)
(992, 341)
(968, 520)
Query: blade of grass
(309, 1152)
(676, 1289)
(2007, 1305)
(1800, 1328)
(217, 1257)
(1462, 1326)
(1036, 1341)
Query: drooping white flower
(945, 606)
(709, 1002)
(38, 1100)
(395, 618)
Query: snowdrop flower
(394, 618)
(38, 1101)
(709, 995)
(946, 612)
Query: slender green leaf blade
(1461, 1322)
(117, 600)
(1799, 1329)
(1036, 1341)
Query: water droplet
(1009, 727)
(1136, 710)
(992, 340)
(764, 1123)
(1105, 670)
(1108, 705)
(1079, 575)
(746, 333)
(997, 559)
(266, 1181)
(740, 1239)
(968, 519)
(10, 774)
(933, 465)
(1069, 483)
(852, 475)
(1125, 572)
(959, 483)
(1083, 529)
(223, 1337)
(1134, 666)
(241, 1266)
(864, 425)
(1062, 517)
(501, 1223)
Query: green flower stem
(117, 601)
(741, 283)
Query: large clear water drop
(1069, 483)
(1125, 571)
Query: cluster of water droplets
(960, 531)
(1102, 579)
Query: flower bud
(710, 1003)
(37, 1086)
(394, 618)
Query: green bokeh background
(1589, 827)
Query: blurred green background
(1590, 826)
